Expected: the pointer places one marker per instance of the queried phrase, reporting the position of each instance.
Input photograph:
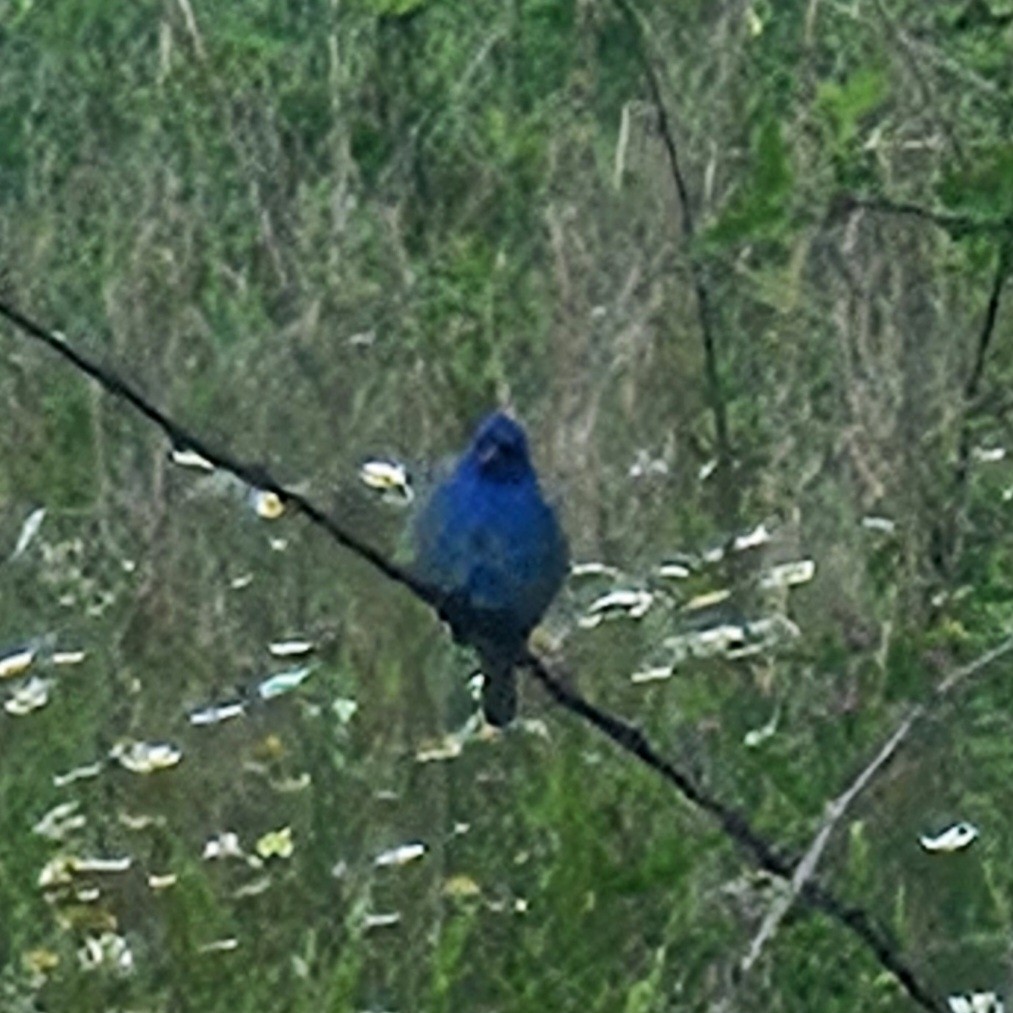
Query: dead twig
(805, 870)
(191, 27)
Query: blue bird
(488, 541)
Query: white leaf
(28, 531)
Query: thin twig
(705, 310)
(948, 533)
(191, 27)
(954, 224)
(951, 543)
(805, 870)
(973, 385)
(962, 674)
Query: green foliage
(985, 188)
(844, 111)
(319, 232)
(646, 995)
(845, 106)
(448, 965)
(759, 210)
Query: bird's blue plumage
(490, 542)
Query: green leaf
(844, 105)
(759, 209)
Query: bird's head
(499, 449)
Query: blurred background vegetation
(325, 230)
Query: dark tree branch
(254, 475)
(632, 740)
(954, 224)
(948, 533)
(951, 540)
(973, 384)
(705, 309)
(626, 736)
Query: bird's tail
(499, 691)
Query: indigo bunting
(488, 541)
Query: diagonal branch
(956, 225)
(254, 475)
(805, 870)
(737, 827)
(625, 735)
(632, 740)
